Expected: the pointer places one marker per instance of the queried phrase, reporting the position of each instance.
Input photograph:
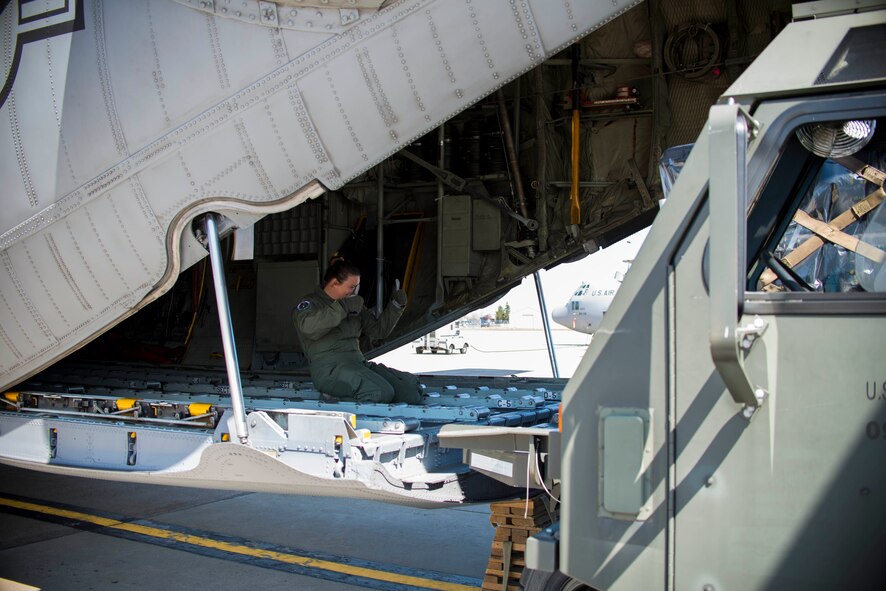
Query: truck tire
(451, 350)
(536, 580)
(464, 348)
(419, 350)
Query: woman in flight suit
(329, 322)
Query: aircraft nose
(560, 314)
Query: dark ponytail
(340, 270)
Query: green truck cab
(727, 427)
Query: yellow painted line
(76, 515)
(156, 532)
(7, 585)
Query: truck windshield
(670, 165)
(835, 240)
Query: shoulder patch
(304, 305)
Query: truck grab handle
(729, 129)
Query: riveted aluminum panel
(140, 115)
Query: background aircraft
(585, 309)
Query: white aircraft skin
(589, 302)
(585, 309)
(121, 122)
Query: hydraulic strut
(227, 329)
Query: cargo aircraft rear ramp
(124, 122)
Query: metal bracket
(268, 12)
(459, 184)
(590, 246)
(747, 335)
(348, 15)
(543, 549)
(748, 411)
(648, 201)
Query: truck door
(780, 453)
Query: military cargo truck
(727, 427)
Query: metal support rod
(227, 329)
(574, 200)
(380, 243)
(512, 155)
(659, 89)
(438, 302)
(547, 325)
(541, 208)
(516, 126)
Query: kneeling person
(329, 323)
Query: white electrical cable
(526, 506)
(542, 482)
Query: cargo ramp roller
(173, 427)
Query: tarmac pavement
(59, 532)
(67, 533)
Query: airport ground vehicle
(740, 444)
(439, 341)
(727, 433)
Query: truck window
(829, 236)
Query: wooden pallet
(492, 584)
(513, 534)
(504, 507)
(519, 521)
(517, 559)
(515, 522)
(498, 548)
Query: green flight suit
(330, 337)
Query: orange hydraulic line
(412, 261)
(574, 207)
